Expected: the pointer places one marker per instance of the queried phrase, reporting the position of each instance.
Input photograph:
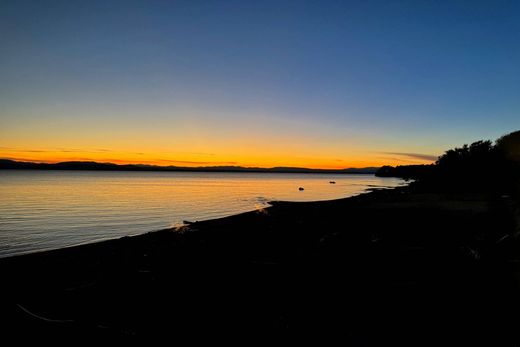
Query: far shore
(6, 164)
(379, 266)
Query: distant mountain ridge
(6, 164)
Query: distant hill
(6, 164)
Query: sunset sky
(321, 84)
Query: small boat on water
(301, 188)
(332, 182)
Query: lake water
(41, 210)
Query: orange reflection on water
(51, 209)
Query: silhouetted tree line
(406, 171)
(482, 165)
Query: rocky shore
(403, 265)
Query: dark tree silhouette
(508, 146)
(475, 155)
(480, 166)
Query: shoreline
(176, 228)
(269, 204)
(343, 265)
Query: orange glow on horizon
(198, 137)
(205, 159)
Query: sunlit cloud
(399, 161)
(188, 162)
(39, 160)
(420, 156)
(23, 150)
(61, 150)
(153, 161)
(201, 153)
(235, 156)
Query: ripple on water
(42, 210)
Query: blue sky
(340, 79)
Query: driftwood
(45, 319)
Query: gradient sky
(326, 84)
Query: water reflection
(51, 209)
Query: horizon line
(142, 165)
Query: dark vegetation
(414, 266)
(407, 172)
(481, 166)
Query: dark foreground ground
(392, 267)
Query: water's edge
(180, 228)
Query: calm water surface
(42, 210)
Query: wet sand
(390, 266)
